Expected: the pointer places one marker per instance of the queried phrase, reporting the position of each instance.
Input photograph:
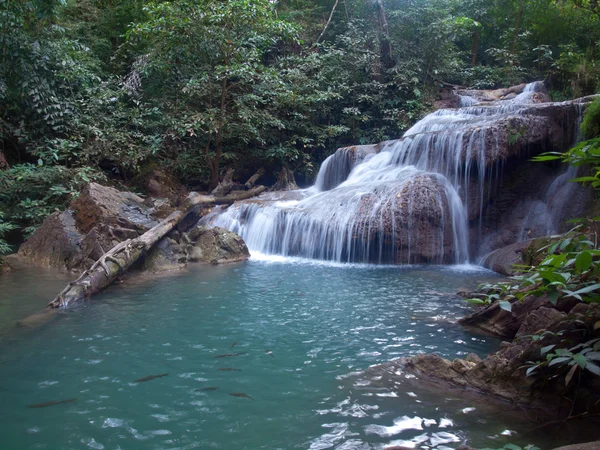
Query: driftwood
(285, 181)
(254, 178)
(227, 185)
(118, 259)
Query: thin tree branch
(328, 21)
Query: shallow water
(323, 324)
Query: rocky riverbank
(102, 217)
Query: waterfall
(545, 216)
(404, 201)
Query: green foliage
(590, 125)
(29, 193)
(197, 85)
(5, 227)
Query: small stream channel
(304, 332)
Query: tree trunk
(328, 21)
(118, 259)
(517, 25)
(475, 48)
(225, 186)
(3, 162)
(254, 178)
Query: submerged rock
(502, 374)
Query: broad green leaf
(587, 289)
(580, 359)
(584, 261)
(476, 301)
(547, 348)
(553, 297)
(594, 368)
(505, 305)
(560, 360)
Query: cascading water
(406, 201)
(544, 216)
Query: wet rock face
(338, 166)
(216, 246)
(414, 220)
(199, 244)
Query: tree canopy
(98, 89)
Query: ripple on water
(340, 320)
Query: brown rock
(166, 256)
(503, 259)
(216, 246)
(56, 243)
(541, 319)
(102, 204)
(160, 183)
(495, 321)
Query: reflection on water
(301, 336)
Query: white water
(405, 204)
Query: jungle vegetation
(101, 89)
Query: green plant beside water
(569, 266)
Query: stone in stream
(502, 374)
(98, 219)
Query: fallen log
(118, 259)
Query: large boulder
(103, 204)
(216, 246)
(56, 243)
(166, 256)
(96, 221)
(199, 244)
(412, 220)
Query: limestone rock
(165, 256)
(97, 220)
(103, 204)
(159, 183)
(503, 259)
(338, 166)
(56, 243)
(216, 246)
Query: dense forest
(105, 90)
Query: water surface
(305, 330)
